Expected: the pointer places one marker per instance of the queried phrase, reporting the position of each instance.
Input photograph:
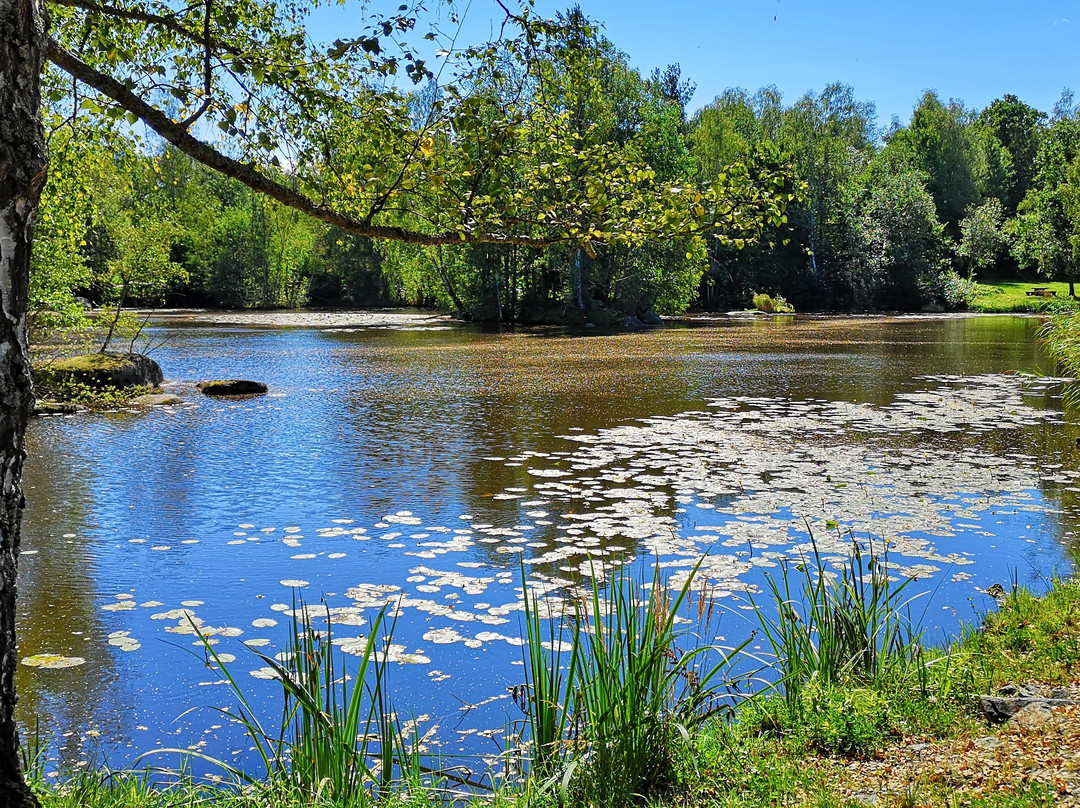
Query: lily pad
(52, 661)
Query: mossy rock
(232, 387)
(97, 371)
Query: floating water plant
(52, 661)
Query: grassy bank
(1011, 296)
(855, 710)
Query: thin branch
(208, 73)
(138, 15)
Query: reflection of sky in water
(429, 463)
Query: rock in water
(232, 387)
(157, 400)
(100, 370)
(54, 408)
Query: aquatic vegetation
(831, 630)
(772, 305)
(605, 725)
(52, 661)
(337, 737)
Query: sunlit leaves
(527, 139)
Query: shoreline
(935, 748)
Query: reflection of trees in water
(57, 588)
(457, 398)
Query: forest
(897, 219)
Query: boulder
(651, 318)
(232, 387)
(98, 371)
(1016, 699)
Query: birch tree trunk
(22, 175)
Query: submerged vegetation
(621, 709)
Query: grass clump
(834, 630)
(1061, 337)
(849, 671)
(337, 740)
(1029, 637)
(608, 726)
(93, 397)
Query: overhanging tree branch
(250, 176)
(141, 15)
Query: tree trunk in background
(22, 175)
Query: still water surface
(425, 464)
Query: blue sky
(890, 52)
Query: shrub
(772, 305)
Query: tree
(1018, 128)
(59, 266)
(901, 242)
(1046, 229)
(939, 143)
(22, 175)
(982, 238)
(320, 131)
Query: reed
(831, 629)
(337, 740)
(607, 725)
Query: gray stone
(988, 742)
(998, 709)
(158, 400)
(137, 370)
(100, 370)
(651, 318)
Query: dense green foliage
(585, 175)
(529, 176)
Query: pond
(426, 464)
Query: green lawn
(1011, 295)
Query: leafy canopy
(372, 136)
